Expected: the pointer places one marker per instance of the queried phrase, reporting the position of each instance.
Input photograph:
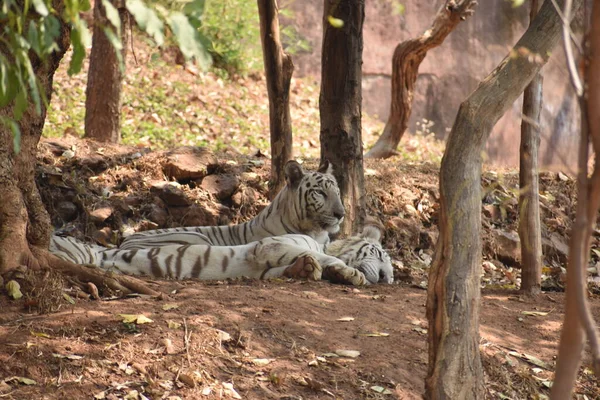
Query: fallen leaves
(137, 319)
(347, 353)
(14, 290)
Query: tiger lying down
(358, 260)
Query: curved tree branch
(405, 69)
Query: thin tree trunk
(579, 322)
(340, 105)
(105, 79)
(453, 294)
(530, 231)
(405, 70)
(278, 70)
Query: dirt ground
(278, 339)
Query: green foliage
(232, 30)
(31, 29)
(188, 39)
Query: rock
(101, 214)
(158, 215)
(195, 215)
(171, 193)
(103, 236)
(493, 212)
(146, 225)
(506, 246)
(408, 231)
(66, 210)
(189, 163)
(221, 186)
(95, 163)
(555, 247)
(246, 196)
(428, 239)
(133, 200)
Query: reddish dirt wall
(452, 71)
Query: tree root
(101, 279)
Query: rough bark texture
(340, 105)
(405, 69)
(530, 231)
(105, 79)
(24, 222)
(278, 70)
(579, 322)
(453, 294)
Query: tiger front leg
(280, 259)
(336, 271)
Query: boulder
(555, 247)
(221, 186)
(66, 210)
(158, 215)
(189, 163)
(506, 246)
(101, 214)
(171, 193)
(194, 215)
(244, 197)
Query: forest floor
(278, 339)
(275, 339)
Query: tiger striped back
(309, 204)
(357, 260)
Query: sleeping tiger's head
(316, 197)
(365, 253)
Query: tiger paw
(305, 267)
(344, 275)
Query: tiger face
(365, 253)
(317, 196)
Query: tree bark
(530, 231)
(579, 322)
(25, 227)
(453, 294)
(340, 105)
(405, 69)
(105, 78)
(24, 221)
(278, 70)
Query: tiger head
(316, 197)
(365, 253)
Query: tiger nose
(339, 214)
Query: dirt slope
(271, 340)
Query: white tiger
(357, 260)
(309, 204)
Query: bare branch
(566, 29)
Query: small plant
(232, 30)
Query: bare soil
(275, 339)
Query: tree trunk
(453, 293)
(405, 69)
(278, 70)
(530, 231)
(579, 321)
(24, 222)
(340, 105)
(105, 78)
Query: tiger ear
(371, 232)
(326, 167)
(293, 173)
